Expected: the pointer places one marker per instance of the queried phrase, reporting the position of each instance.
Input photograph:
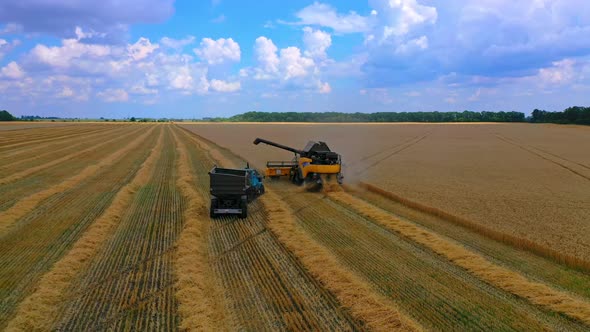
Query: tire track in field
(540, 155)
(32, 170)
(38, 311)
(393, 147)
(27, 204)
(130, 282)
(560, 157)
(265, 286)
(50, 151)
(48, 232)
(396, 150)
(197, 294)
(510, 281)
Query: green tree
(5, 116)
(132, 119)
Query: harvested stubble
(29, 141)
(378, 313)
(48, 232)
(25, 205)
(130, 281)
(498, 276)
(12, 192)
(198, 303)
(18, 125)
(43, 152)
(38, 311)
(434, 291)
(31, 170)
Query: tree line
(465, 116)
(571, 115)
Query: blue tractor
(232, 189)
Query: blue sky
(194, 59)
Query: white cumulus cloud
(66, 92)
(398, 17)
(62, 56)
(292, 64)
(325, 88)
(218, 51)
(316, 42)
(189, 79)
(266, 54)
(6, 46)
(223, 86)
(326, 16)
(177, 43)
(12, 71)
(141, 49)
(113, 95)
(289, 66)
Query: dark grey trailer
(232, 189)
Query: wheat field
(438, 227)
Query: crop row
(54, 172)
(27, 140)
(474, 238)
(130, 281)
(47, 152)
(31, 170)
(197, 291)
(498, 276)
(435, 292)
(38, 311)
(27, 204)
(42, 236)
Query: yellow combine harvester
(308, 165)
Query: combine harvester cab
(308, 166)
(232, 189)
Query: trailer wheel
(212, 208)
(244, 207)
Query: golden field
(438, 227)
(519, 179)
